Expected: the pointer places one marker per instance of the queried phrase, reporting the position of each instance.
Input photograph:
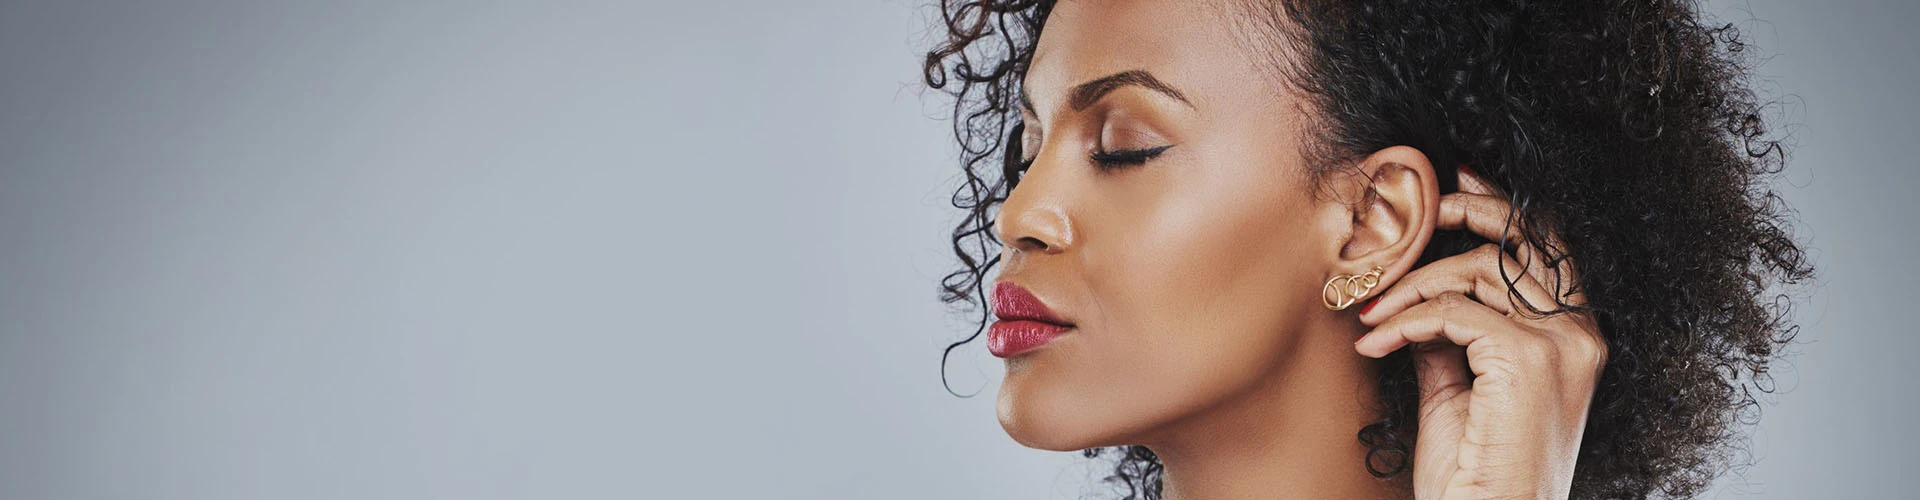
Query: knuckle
(1487, 251)
(1490, 206)
(1424, 288)
(1498, 367)
(1451, 301)
(1592, 353)
(1579, 354)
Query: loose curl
(1625, 133)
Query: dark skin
(1168, 214)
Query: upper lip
(1012, 302)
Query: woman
(1368, 249)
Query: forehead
(1198, 47)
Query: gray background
(579, 249)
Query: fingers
(1451, 316)
(1446, 393)
(1479, 209)
(1492, 341)
(1486, 216)
(1441, 371)
(1476, 274)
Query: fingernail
(1369, 306)
(1468, 170)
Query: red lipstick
(1024, 322)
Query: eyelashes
(1016, 163)
(1104, 160)
(1115, 160)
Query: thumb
(1445, 389)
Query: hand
(1512, 428)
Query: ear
(1395, 208)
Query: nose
(1034, 216)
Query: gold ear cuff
(1345, 289)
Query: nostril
(1031, 243)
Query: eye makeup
(1119, 159)
(1122, 140)
(1125, 141)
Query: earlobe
(1345, 289)
(1395, 215)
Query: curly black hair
(1624, 130)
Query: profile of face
(1169, 215)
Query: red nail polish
(1369, 306)
(1468, 170)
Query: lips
(1024, 323)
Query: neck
(1292, 435)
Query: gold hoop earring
(1345, 289)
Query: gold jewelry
(1345, 289)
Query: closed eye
(1114, 160)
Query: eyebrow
(1086, 94)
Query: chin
(1035, 430)
(1039, 411)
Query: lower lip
(1007, 339)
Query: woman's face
(1188, 278)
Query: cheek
(1199, 291)
(1187, 285)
